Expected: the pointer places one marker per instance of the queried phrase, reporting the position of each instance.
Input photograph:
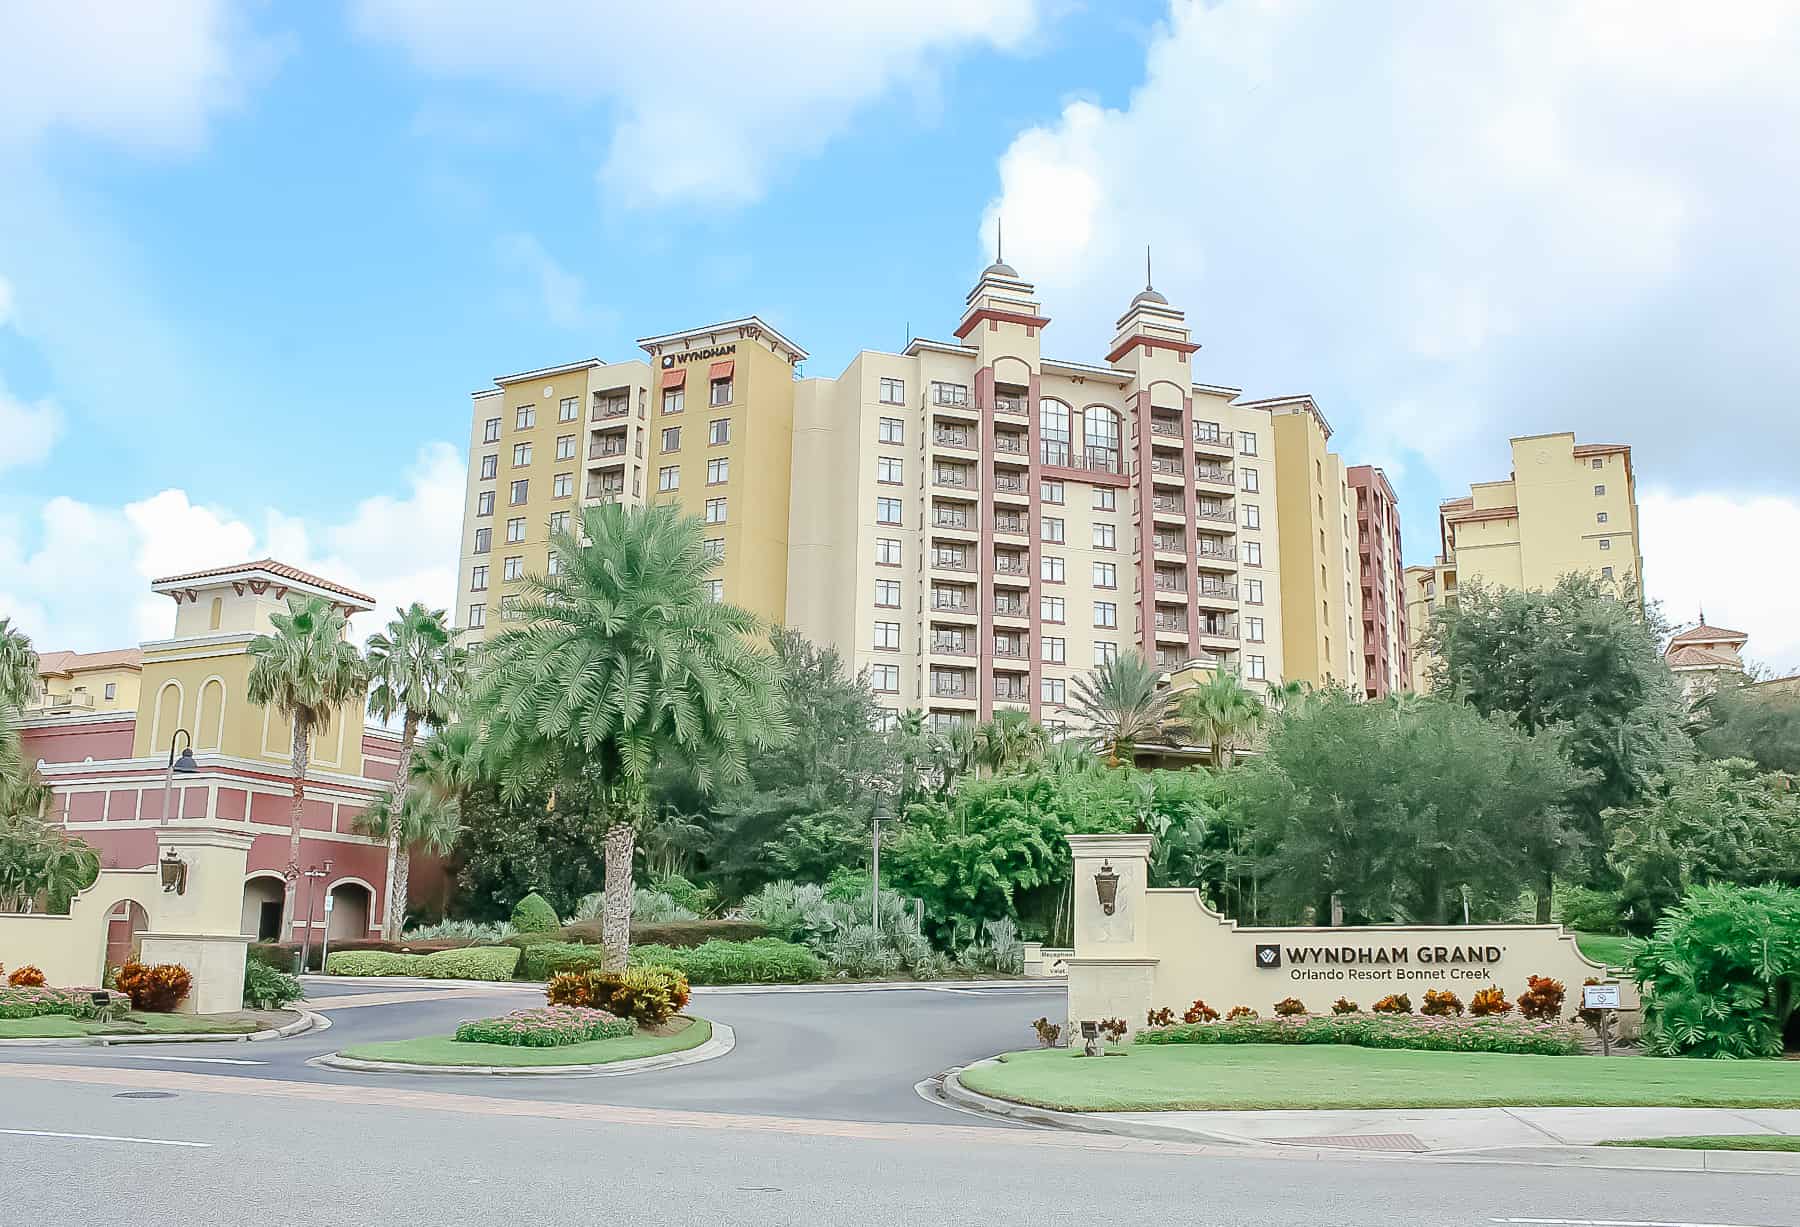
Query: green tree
(953, 756)
(507, 847)
(1578, 659)
(1399, 807)
(1123, 703)
(1010, 742)
(18, 666)
(440, 771)
(1221, 713)
(42, 866)
(419, 674)
(306, 671)
(1752, 722)
(624, 659)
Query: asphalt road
(812, 1120)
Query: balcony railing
(952, 396)
(1172, 622)
(1166, 426)
(1011, 444)
(1009, 609)
(944, 689)
(1009, 524)
(1009, 403)
(953, 645)
(1213, 588)
(1167, 502)
(1220, 553)
(1207, 433)
(952, 438)
(1165, 544)
(1009, 694)
(1215, 473)
(605, 450)
(956, 479)
(1100, 462)
(611, 409)
(1218, 515)
(1011, 649)
(951, 602)
(1225, 628)
(1170, 582)
(943, 517)
(1009, 483)
(1004, 565)
(1163, 464)
(951, 562)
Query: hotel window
(477, 617)
(1250, 482)
(1100, 435)
(673, 400)
(1053, 690)
(1600, 518)
(515, 530)
(1606, 543)
(562, 485)
(1051, 608)
(1252, 516)
(713, 547)
(1253, 629)
(671, 439)
(1253, 553)
(1105, 650)
(521, 490)
(890, 430)
(559, 520)
(1106, 575)
(478, 579)
(1050, 529)
(1106, 614)
(668, 477)
(1053, 492)
(490, 431)
(893, 391)
(884, 679)
(887, 551)
(555, 566)
(1106, 537)
(1599, 491)
(721, 391)
(1056, 651)
(715, 590)
(567, 409)
(490, 467)
(484, 503)
(1247, 442)
(509, 608)
(888, 471)
(887, 593)
(1253, 591)
(484, 540)
(949, 394)
(525, 418)
(715, 511)
(1106, 498)
(887, 636)
(1050, 569)
(1053, 432)
(718, 431)
(565, 447)
(887, 511)
(1258, 666)
(1597, 462)
(1605, 572)
(514, 567)
(718, 472)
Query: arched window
(1101, 438)
(1053, 420)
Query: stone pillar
(1112, 973)
(200, 928)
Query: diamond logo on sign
(1268, 956)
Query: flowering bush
(157, 989)
(651, 995)
(546, 1027)
(1114, 1028)
(1441, 1005)
(1200, 1012)
(1287, 1007)
(1240, 1011)
(1343, 1005)
(1542, 998)
(22, 1002)
(1394, 1003)
(1429, 1034)
(1164, 1017)
(26, 977)
(1047, 1032)
(1489, 1001)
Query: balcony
(1010, 402)
(1004, 608)
(945, 437)
(1009, 444)
(1008, 483)
(944, 560)
(1011, 564)
(1009, 690)
(1168, 543)
(951, 645)
(1167, 427)
(953, 479)
(1210, 552)
(951, 688)
(1208, 437)
(1163, 466)
(1215, 474)
(1218, 628)
(1171, 581)
(1217, 590)
(1167, 658)
(1173, 504)
(1175, 622)
(1215, 515)
(611, 409)
(950, 396)
(1011, 649)
(1010, 523)
(1106, 461)
(951, 602)
(607, 448)
(950, 517)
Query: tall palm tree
(953, 754)
(1288, 695)
(1219, 712)
(624, 659)
(1123, 704)
(1010, 741)
(18, 666)
(306, 670)
(441, 770)
(419, 674)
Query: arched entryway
(349, 913)
(125, 923)
(264, 895)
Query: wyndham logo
(1268, 956)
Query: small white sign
(1599, 996)
(330, 899)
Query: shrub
(651, 995)
(282, 956)
(471, 930)
(670, 933)
(543, 960)
(1240, 1011)
(1164, 1017)
(26, 977)
(1721, 972)
(1047, 1032)
(1542, 998)
(1489, 1002)
(1343, 1005)
(1287, 1007)
(268, 989)
(1114, 1029)
(766, 960)
(1590, 911)
(533, 914)
(1442, 1005)
(546, 1027)
(466, 963)
(1394, 1003)
(155, 990)
(22, 1002)
(1200, 1012)
(1507, 1035)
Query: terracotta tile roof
(69, 662)
(1600, 449)
(1466, 500)
(1688, 657)
(1486, 513)
(279, 569)
(1709, 634)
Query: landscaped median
(677, 1035)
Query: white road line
(1606, 1222)
(160, 1056)
(104, 1137)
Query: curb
(1080, 1122)
(820, 986)
(308, 1021)
(721, 1042)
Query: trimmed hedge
(1426, 1034)
(469, 963)
(767, 960)
(546, 1027)
(283, 955)
(680, 933)
(547, 959)
(533, 914)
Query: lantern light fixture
(1106, 886)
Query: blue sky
(254, 257)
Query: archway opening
(263, 897)
(125, 924)
(349, 912)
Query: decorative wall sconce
(1106, 885)
(174, 872)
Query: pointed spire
(1148, 294)
(1148, 284)
(999, 239)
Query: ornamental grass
(1426, 1033)
(546, 1027)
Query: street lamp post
(312, 874)
(186, 765)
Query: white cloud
(84, 585)
(560, 295)
(6, 302)
(710, 99)
(27, 432)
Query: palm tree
(42, 865)
(429, 820)
(1219, 712)
(953, 755)
(1288, 695)
(1011, 741)
(306, 670)
(419, 674)
(1123, 704)
(18, 666)
(624, 659)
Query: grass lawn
(1730, 1141)
(59, 1026)
(443, 1050)
(1256, 1076)
(1603, 947)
